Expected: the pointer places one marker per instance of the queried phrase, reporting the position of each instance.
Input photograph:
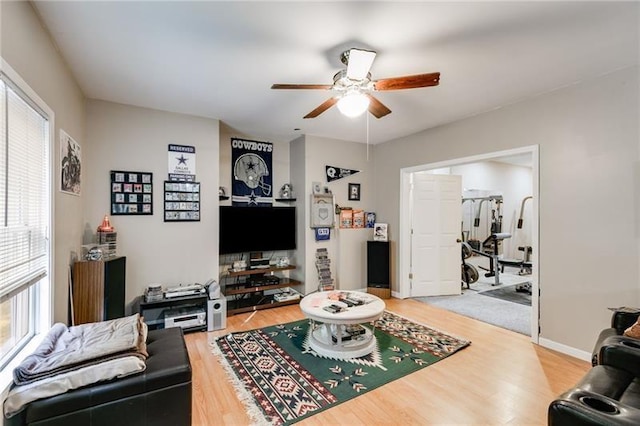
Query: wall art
(181, 201)
(70, 164)
(131, 193)
(354, 192)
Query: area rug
(509, 294)
(281, 380)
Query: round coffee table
(340, 335)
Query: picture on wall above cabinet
(70, 164)
(370, 219)
(252, 173)
(131, 193)
(354, 192)
(380, 232)
(181, 201)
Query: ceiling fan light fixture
(353, 104)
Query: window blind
(24, 154)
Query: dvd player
(259, 280)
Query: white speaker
(217, 314)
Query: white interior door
(436, 214)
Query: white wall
(122, 137)
(347, 247)
(27, 48)
(588, 139)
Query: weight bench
(159, 396)
(523, 264)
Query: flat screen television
(250, 229)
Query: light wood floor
(501, 379)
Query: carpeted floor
(281, 380)
(497, 309)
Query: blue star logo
(252, 198)
(182, 160)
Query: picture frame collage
(131, 193)
(181, 201)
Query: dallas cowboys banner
(335, 173)
(252, 179)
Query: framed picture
(370, 219)
(181, 201)
(380, 232)
(70, 164)
(127, 193)
(354, 192)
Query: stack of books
(323, 266)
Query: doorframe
(404, 239)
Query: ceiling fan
(353, 86)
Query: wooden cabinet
(98, 290)
(244, 296)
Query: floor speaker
(378, 269)
(216, 314)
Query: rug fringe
(253, 410)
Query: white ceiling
(219, 59)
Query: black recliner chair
(609, 394)
(621, 319)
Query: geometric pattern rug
(281, 380)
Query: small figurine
(286, 191)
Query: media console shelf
(244, 296)
(155, 313)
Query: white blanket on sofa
(72, 357)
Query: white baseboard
(567, 350)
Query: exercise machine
(493, 244)
(494, 202)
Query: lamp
(105, 226)
(353, 103)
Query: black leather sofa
(609, 394)
(160, 396)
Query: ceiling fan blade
(302, 86)
(359, 63)
(322, 108)
(408, 82)
(377, 108)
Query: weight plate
(471, 273)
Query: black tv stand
(242, 296)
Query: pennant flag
(335, 173)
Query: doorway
(520, 157)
